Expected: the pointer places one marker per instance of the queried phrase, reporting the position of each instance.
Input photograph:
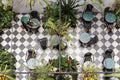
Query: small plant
(67, 65)
(6, 16)
(55, 27)
(116, 5)
(87, 72)
(114, 74)
(42, 69)
(66, 8)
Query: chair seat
(84, 37)
(110, 17)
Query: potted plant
(38, 68)
(68, 11)
(87, 74)
(53, 28)
(41, 69)
(116, 75)
(7, 61)
(6, 15)
(67, 65)
(116, 5)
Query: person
(32, 22)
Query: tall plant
(6, 15)
(117, 75)
(116, 5)
(66, 10)
(45, 68)
(87, 72)
(67, 65)
(7, 61)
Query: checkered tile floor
(18, 41)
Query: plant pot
(43, 43)
(62, 46)
(30, 54)
(59, 77)
(1, 32)
(33, 76)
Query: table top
(84, 37)
(32, 63)
(110, 17)
(109, 63)
(55, 40)
(87, 15)
(32, 24)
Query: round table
(84, 37)
(109, 63)
(32, 63)
(32, 23)
(110, 17)
(55, 40)
(87, 15)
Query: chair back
(87, 57)
(89, 7)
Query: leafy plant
(114, 74)
(46, 68)
(67, 65)
(116, 5)
(6, 16)
(87, 75)
(55, 27)
(38, 72)
(67, 9)
(7, 61)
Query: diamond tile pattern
(18, 40)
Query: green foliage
(7, 61)
(114, 74)
(51, 11)
(46, 68)
(67, 65)
(54, 27)
(6, 16)
(69, 10)
(66, 8)
(86, 75)
(117, 12)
